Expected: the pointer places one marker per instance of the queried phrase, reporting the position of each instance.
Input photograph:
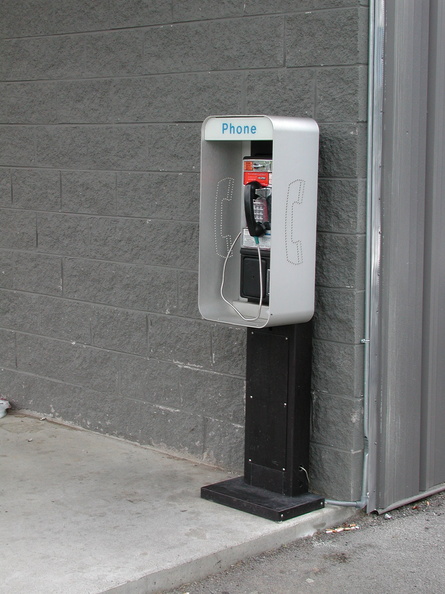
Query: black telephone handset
(257, 208)
(256, 229)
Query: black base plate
(238, 494)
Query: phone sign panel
(255, 128)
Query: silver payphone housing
(225, 141)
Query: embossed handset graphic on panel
(223, 198)
(294, 201)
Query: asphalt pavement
(402, 551)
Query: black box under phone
(250, 275)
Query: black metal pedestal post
(278, 382)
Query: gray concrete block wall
(100, 117)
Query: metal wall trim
(373, 246)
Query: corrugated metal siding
(407, 453)
(433, 388)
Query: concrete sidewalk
(83, 513)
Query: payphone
(257, 269)
(258, 219)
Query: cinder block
(63, 234)
(158, 195)
(338, 368)
(144, 241)
(143, 288)
(186, 342)
(122, 417)
(92, 147)
(215, 45)
(20, 311)
(188, 294)
(43, 396)
(19, 19)
(84, 102)
(342, 94)
(71, 363)
(342, 150)
(17, 229)
(82, 15)
(151, 195)
(92, 192)
(119, 330)
(342, 205)
(28, 103)
(49, 57)
(161, 427)
(224, 445)
(188, 189)
(229, 349)
(66, 320)
(38, 273)
(283, 92)
(212, 394)
(178, 97)
(17, 146)
(134, 13)
(265, 6)
(36, 189)
(336, 474)
(339, 315)
(103, 412)
(64, 16)
(6, 270)
(172, 429)
(173, 147)
(338, 3)
(337, 422)
(7, 348)
(324, 38)
(150, 380)
(126, 418)
(192, 10)
(114, 53)
(340, 261)
(108, 413)
(5, 188)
